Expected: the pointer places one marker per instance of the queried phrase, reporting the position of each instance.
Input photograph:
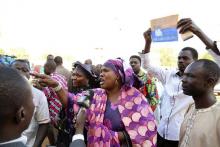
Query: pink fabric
(52, 98)
(136, 115)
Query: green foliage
(206, 55)
(168, 57)
(2, 51)
(19, 53)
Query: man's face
(23, 68)
(135, 64)
(194, 81)
(184, 59)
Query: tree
(168, 57)
(19, 53)
(2, 51)
(206, 55)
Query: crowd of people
(113, 104)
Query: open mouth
(181, 66)
(101, 82)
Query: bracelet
(77, 137)
(58, 88)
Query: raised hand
(186, 24)
(147, 35)
(148, 40)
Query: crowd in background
(113, 103)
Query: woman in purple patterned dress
(118, 114)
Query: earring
(116, 83)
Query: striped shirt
(53, 99)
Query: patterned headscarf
(129, 79)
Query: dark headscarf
(87, 70)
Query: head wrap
(128, 78)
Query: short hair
(51, 65)
(135, 56)
(193, 52)
(23, 61)
(13, 92)
(58, 60)
(212, 70)
(50, 55)
(88, 61)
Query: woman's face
(107, 78)
(79, 78)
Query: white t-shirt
(40, 116)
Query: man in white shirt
(174, 103)
(186, 24)
(37, 129)
(16, 107)
(40, 119)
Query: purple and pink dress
(131, 113)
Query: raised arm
(157, 72)
(148, 40)
(187, 24)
